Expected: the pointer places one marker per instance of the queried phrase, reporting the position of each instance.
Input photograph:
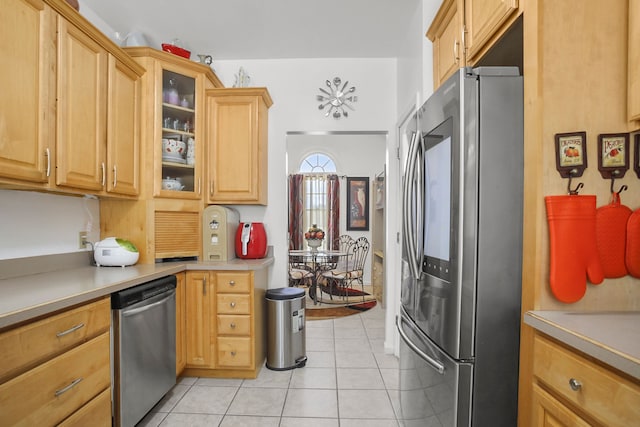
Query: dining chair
(352, 271)
(299, 272)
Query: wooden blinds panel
(177, 234)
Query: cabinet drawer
(96, 413)
(234, 352)
(51, 392)
(234, 304)
(236, 283)
(24, 347)
(604, 395)
(234, 325)
(547, 411)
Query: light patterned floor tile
(314, 378)
(369, 404)
(311, 403)
(309, 422)
(362, 379)
(206, 400)
(248, 421)
(191, 420)
(258, 401)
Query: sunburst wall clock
(336, 99)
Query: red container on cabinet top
(251, 240)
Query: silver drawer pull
(232, 304)
(575, 384)
(68, 331)
(232, 325)
(232, 282)
(69, 387)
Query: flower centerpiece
(314, 237)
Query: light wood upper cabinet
(173, 109)
(464, 30)
(70, 104)
(82, 102)
(483, 20)
(27, 85)
(447, 34)
(634, 61)
(123, 130)
(237, 138)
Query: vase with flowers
(314, 237)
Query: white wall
(33, 224)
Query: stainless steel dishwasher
(144, 348)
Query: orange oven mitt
(572, 240)
(632, 256)
(611, 236)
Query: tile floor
(348, 381)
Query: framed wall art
(571, 153)
(358, 203)
(613, 154)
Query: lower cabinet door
(51, 392)
(549, 412)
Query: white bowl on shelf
(173, 184)
(174, 148)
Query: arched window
(317, 163)
(319, 196)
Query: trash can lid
(284, 293)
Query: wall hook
(623, 188)
(574, 192)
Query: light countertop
(26, 297)
(611, 337)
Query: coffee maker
(219, 225)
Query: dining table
(316, 261)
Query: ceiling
(266, 29)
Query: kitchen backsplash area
(33, 224)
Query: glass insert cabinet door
(178, 144)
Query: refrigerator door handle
(407, 222)
(439, 367)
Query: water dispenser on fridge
(219, 225)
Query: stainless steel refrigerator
(462, 248)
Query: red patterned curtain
(333, 220)
(296, 209)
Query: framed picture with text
(613, 155)
(358, 203)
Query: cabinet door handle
(199, 186)
(104, 172)
(71, 329)
(232, 282)
(115, 175)
(211, 188)
(455, 51)
(232, 304)
(233, 353)
(68, 387)
(575, 384)
(232, 325)
(204, 285)
(48, 154)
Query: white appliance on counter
(219, 225)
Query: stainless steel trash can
(286, 346)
